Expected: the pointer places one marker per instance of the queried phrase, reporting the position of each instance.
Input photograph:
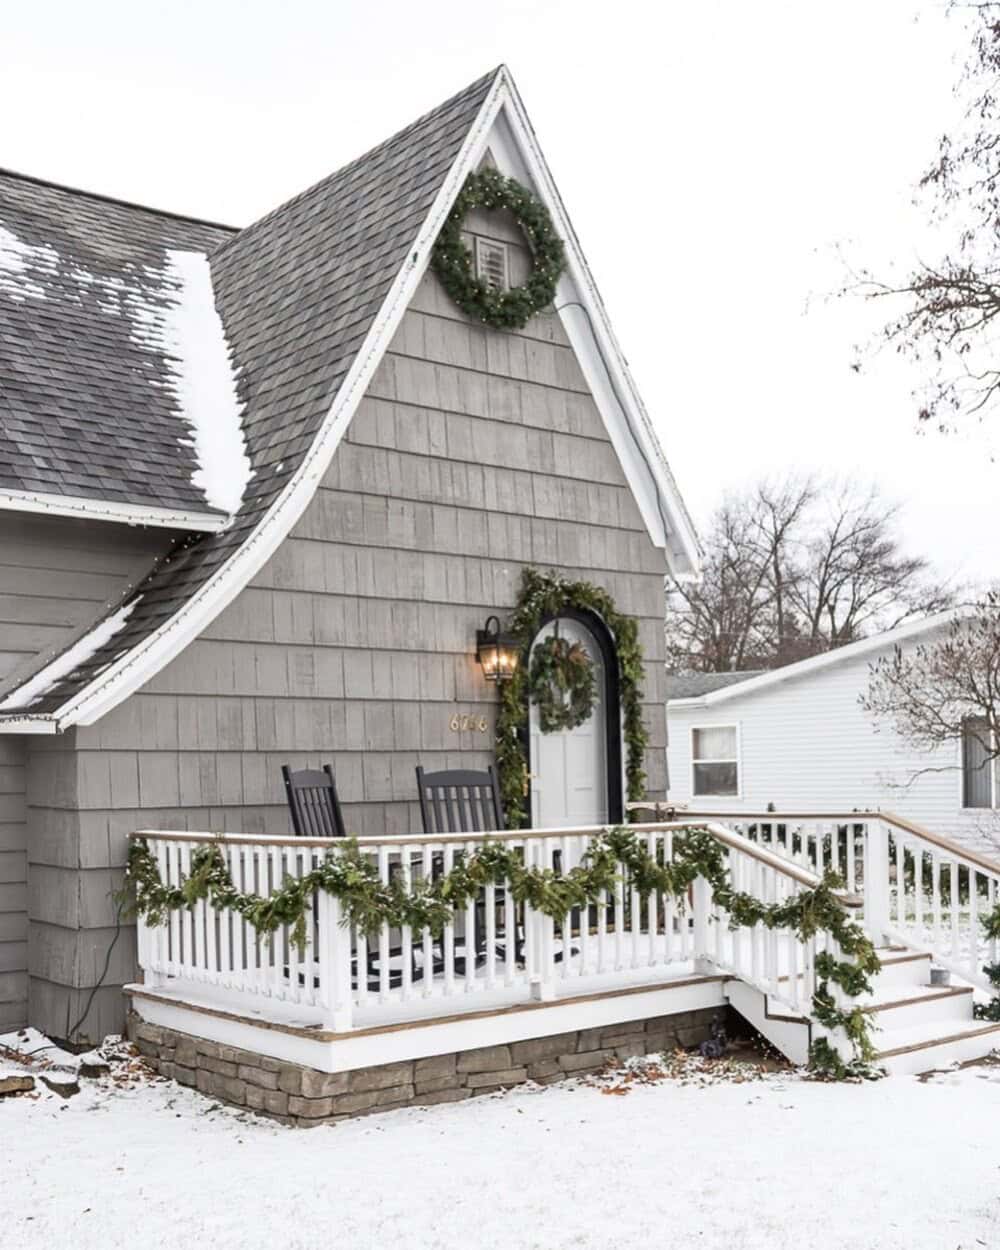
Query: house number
(462, 723)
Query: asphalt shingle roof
(297, 292)
(691, 685)
(83, 408)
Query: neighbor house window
(978, 766)
(715, 760)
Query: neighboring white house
(797, 740)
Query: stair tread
(934, 1033)
(902, 995)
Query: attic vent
(491, 264)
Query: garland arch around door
(542, 597)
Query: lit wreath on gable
(452, 260)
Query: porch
(523, 995)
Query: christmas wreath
(452, 261)
(561, 683)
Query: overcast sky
(714, 156)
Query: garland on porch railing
(991, 930)
(368, 903)
(542, 597)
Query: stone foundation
(306, 1097)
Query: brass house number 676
(463, 723)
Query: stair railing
(931, 894)
(921, 890)
(777, 962)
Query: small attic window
(491, 264)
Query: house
(260, 489)
(796, 739)
(368, 484)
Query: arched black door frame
(612, 708)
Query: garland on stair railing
(991, 931)
(543, 596)
(369, 903)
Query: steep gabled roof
(87, 426)
(309, 297)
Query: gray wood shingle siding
(57, 575)
(13, 887)
(473, 454)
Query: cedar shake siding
(56, 575)
(473, 453)
(13, 888)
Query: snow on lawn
(770, 1163)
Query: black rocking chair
(461, 800)
(315, 808)
(313, 802)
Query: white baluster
(406, 937)
(470, 935)
(384, 969)
(448, 939)
(427, 868)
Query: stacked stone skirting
(305, 1096)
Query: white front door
(570, 783)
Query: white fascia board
(515, 147)
(110, 510)
(817, 663)
(25, 723)
(142, 662)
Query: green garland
(369, 903)
(991, 930)
(452, 261)
(542, 597)
(561, 683)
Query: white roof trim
(597, 349)
(132, 670)
(26, 723)
(816, 663)
(109, 510)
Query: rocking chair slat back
(313, 802)
(460, 800)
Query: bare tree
(950, 306)
(854, 578)
(729, 621)
(948, 689)
(794, 568)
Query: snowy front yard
(769, 1163)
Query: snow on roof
(191, 333)
(35, 689)
(17, 262)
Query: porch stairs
(917, 1027)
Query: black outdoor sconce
(496, 651)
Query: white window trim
(702, 725)
(484, 242)
(994, 766)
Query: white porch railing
(921, 890)
(495, 953)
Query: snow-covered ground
(747, 1165)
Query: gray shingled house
(163, 651)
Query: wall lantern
(497, 651)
